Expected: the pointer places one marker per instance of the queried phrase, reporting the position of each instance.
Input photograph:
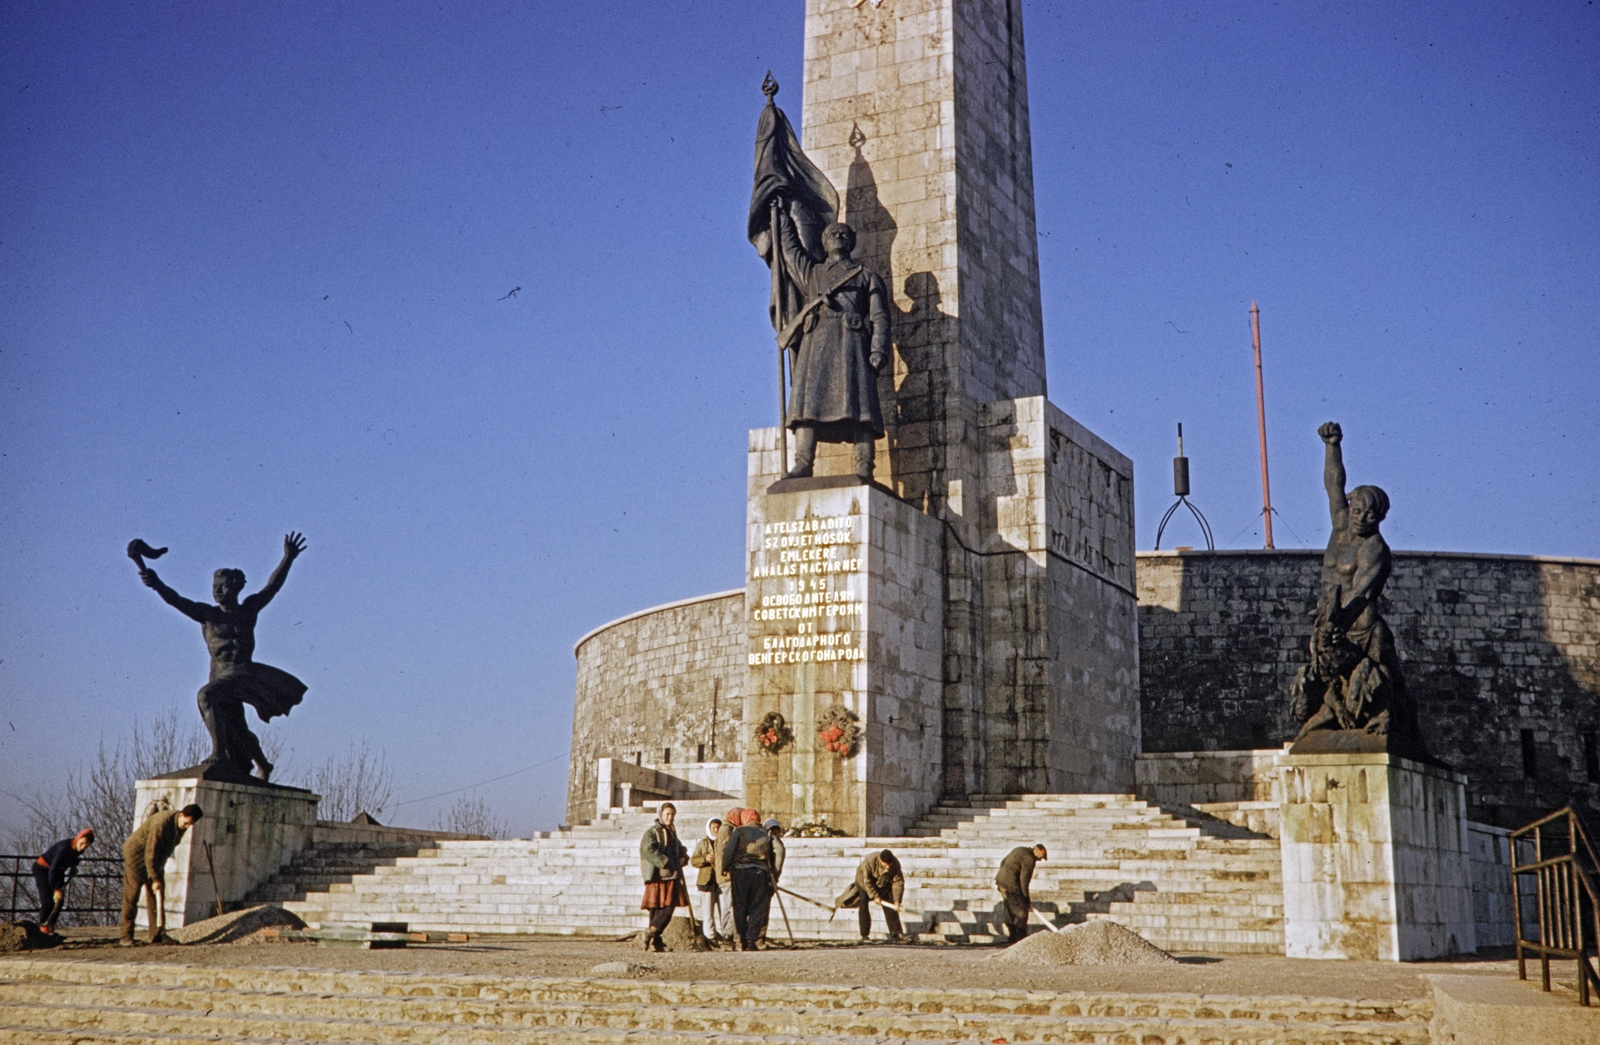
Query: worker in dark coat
(844, 335)
(879, 880)
(144, 862)
(748, 858)
(52, 871)
(1016, 872)
(661, 861)
(774, 830)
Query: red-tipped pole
(1261, 422)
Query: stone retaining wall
(663, 681)
(1501, 652)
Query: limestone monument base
(1375, 858)
(254, 829)
(844, 596)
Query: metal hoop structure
(1205, 527)
(1180, 487)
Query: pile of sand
(1093, 943)
(681, 935)
(236, 925)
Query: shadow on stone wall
(912, 395)
(1502, 654)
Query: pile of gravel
(236, 926)
(1093, 943)
(620, 969)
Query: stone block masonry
(844, 608)
(1502, 653)
(253, 831)
(918, 110)
(1041, 647)
(1021, 518)
(663, 681)
(1376, 860)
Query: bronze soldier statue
(1354, 681)
(841, 341)
(236, 679)
(831, 315)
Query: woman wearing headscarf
(661, 861)
(705, 858)
(748, 854)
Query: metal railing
(1565, 897)
(93, 898)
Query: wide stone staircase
(63, 1002)
(322, 866)
(1111, 857)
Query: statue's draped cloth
(271, 691)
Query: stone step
(73, 1002)
(1108, 853)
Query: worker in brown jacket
(705, 858)
(1013, 879)
(144, 861)
(879, 880)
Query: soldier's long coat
(834, 386)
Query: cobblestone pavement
(875, 964)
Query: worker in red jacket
(52, 871)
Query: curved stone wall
(1502, 653)
(663, 681)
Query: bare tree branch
(355, 782)
(471, 816)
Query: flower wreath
(773, 734)
(840, 731)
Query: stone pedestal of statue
(1375, 858)
(844, 596)
(253, 829)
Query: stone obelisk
(975, 613)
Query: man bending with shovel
(879, 880)
(144, 862)
(1013, 881)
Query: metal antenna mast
(1261, 423)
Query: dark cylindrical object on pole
(1180, 476)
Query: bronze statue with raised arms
(236, 679)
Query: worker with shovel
(879, 880)
(144, 861)
(748, 857)
(52, 872)
(1013, 879)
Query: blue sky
(253, 267)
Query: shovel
(814, 903)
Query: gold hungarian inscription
(809, 562)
